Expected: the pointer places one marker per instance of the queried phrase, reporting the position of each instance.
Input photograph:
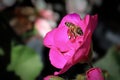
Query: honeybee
(73, 30)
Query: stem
(90, 56)
(90, 64)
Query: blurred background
(24, 23)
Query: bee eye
(79, 31)
(66, 23)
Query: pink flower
(42, 26)
(94, 74)
(48, 77)
(66, 46)
(46, 23)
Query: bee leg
(73, 34)
(69, 37)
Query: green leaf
(109, 63)
(25, 62)
(29, 34)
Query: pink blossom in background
(48, 77)
(65, 52)
(94, 74)
(47, 14)
(42, 26)
(46, 22)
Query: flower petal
(81, 54)
(56, 58)
(89, 23)
(65, 68)
(93, 22)
(48, 39)
(61, 38)
(48, 77)
(85, 22)
(74, 18)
